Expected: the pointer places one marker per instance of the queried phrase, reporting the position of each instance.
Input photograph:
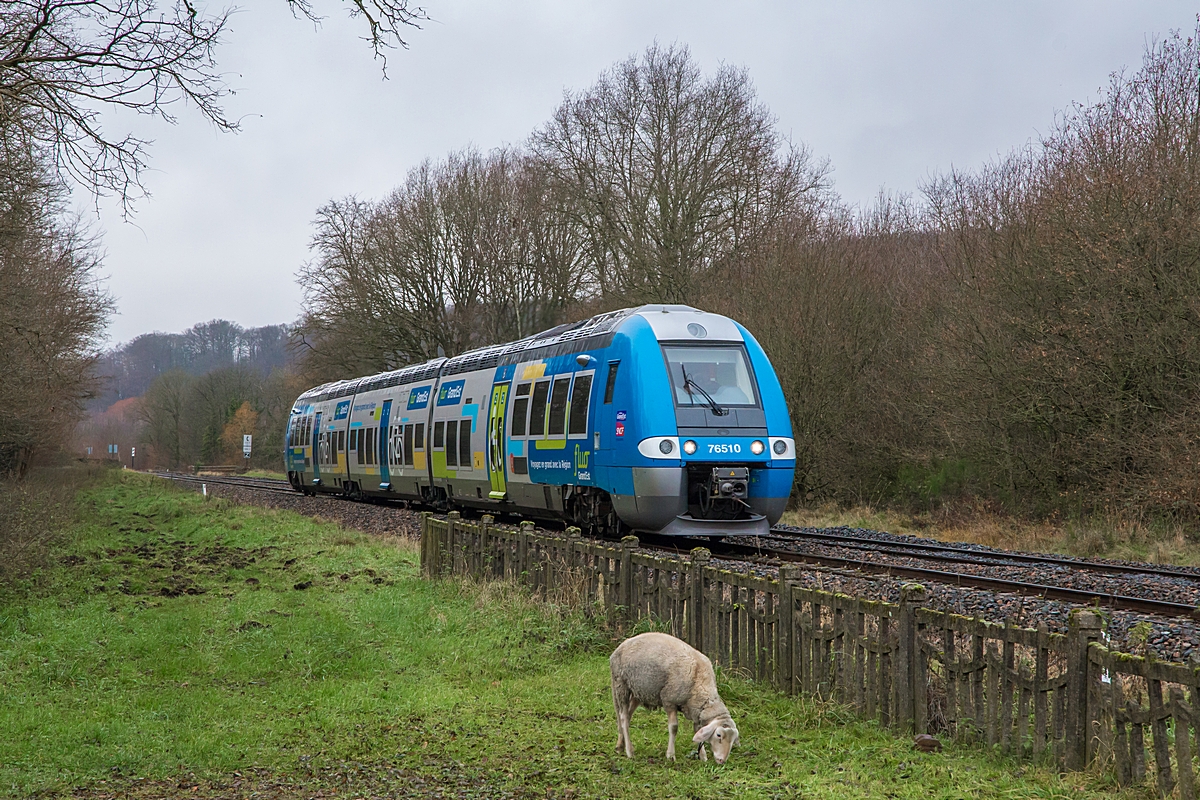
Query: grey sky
(890, 92)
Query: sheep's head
(721, 735)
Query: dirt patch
(175, 568)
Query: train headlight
(757, 447)
(689, 447)
(780, 447)
(666, 446)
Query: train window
(452, 443)
(558, 406)
(341, 445)
(710, 376)
(439, 435)
(408, 445)
(464, 444)
(611, 385)
(520, 411)
(419, 436)
(537, 409)
(370, 446)
(581, 395)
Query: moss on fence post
(695, 609)
(1083, 628)
(787, 633)
(523, 571)
(451, 541)
(910, 684)
(628, 545)
(428, 548)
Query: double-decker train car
(661, 418)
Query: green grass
(168, 638)
(266, 473)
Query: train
(662, 418)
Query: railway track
(795, 546)
(740, 549)
(262, 484)
(973, 555)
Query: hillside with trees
(187, 398)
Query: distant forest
(188, 398)
(129, 369)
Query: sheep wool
(657, 670)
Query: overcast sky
(890, 92)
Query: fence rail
(1029, 693)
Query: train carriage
(658, 418)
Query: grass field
(181, 646)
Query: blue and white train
(661, 418)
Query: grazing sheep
(656, 669)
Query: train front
(714, 449)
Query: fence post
(700, 557)
(1083, 628)
(452, 520)
(908, 691)
(786, 628)
(523, 551)
(426, 536)
(487, 549)
(628, 545)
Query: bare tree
(467, 252)
(667, 174)
(62, 61)
(1074, 333)
(52, 315)
(164, 410)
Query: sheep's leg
(672, 729)
(629, 709)
(618, 708)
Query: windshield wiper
(689, 384)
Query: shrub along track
(1150, 607)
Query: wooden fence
(1031, 694)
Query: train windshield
(711, 375)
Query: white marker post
(246, 440)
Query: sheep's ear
(705, 733)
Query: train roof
(667, 321)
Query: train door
(496, 447)
(385, 419)
(316, 448)
(292, 429)
(608, 420)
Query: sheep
(657, 670)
